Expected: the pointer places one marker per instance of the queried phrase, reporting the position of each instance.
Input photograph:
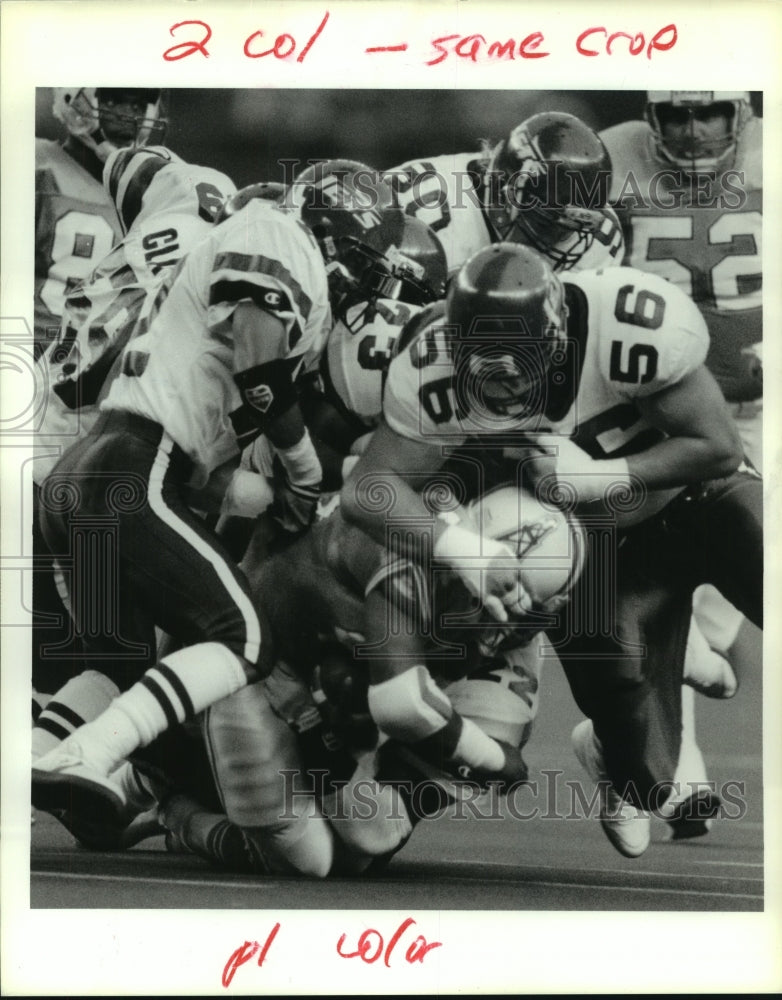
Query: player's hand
(562, 462)
(488, 569)
(513, 772)
(295, 505)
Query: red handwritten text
(245, 952)
(470, 47)
(284, 45)
(635, 43)
(188, 48)
(591, 42)
(370, 945)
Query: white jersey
(190, 372)
(706, 239)
(355, 362)
(76, 225)
(447, 192)
(630, 335)
(168, 206)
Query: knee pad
(253, 754)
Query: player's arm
(384, 486)
(265, 374)
(702, 441)
(405, 702)
(385, 471)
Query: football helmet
(420, 262)
(352, 213)
(545, 186)
(696, 144)
(549, 544)
(508, 320)
(104, 119)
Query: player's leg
(724, 528)
(626, 677)
(261, 782)
(172, 570)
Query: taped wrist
(301, 462)
(409, 707)
(457, 544)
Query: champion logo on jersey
(260, 397)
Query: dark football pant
(133, 555)
(622, 638)
(56, 649)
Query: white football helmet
(99, 117)
(691, 152)
(550, 545)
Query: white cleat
(707, 671)
(81, 797)
(628, 828)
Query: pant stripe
(240, 598)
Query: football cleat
(628, 828)
(85, 801)
(692, 816)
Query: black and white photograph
(384, 486)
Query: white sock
(691, 769)
(81, 700)
(179, 687)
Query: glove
(488, 569)
(513, 772)
(295, 505)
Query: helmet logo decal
(528, 152)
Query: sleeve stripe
(130, 205)
(256, 264)
(131, 175)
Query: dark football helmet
(105, 118)
(419, 262)
(507, 317)
(352, 213)
(546, 184)
(696, 146)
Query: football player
(611, 362)
(216, 369)
(341, 400)
(165, 207)
(75, 220)
(545, 185)
(479, 691)
(687, 185)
